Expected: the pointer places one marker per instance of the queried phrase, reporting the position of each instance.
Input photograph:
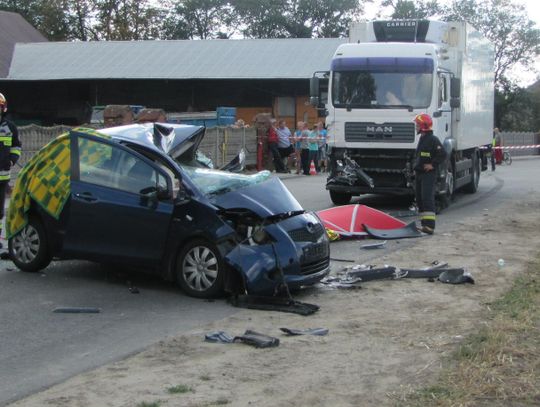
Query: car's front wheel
(200, 269)
(29, 248)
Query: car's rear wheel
(29, 248)
(200, 269)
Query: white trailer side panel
(473, 121)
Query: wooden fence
(221, 144)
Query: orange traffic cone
(312, 169)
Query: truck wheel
(200, 269)
(472, 186)
(29, 248)
(340, 198)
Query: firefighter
(430, 154)
(10, 151)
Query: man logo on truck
(379, 129)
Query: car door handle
(86, 196)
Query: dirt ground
(384, 339)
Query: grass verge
(499, 365)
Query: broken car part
(308, 331)
(77, 310)
(257, 339)
(408, 231)
(273, 304)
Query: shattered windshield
(215, 182)
(374, 83)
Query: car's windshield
(374, 83)
(215, 182)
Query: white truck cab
(389, 72)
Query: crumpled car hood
(266, 199)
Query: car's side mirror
(437, 113)
(149, 196)
(181, 197)
(163, 194)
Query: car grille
(379, 133)
(304, 235)
(315, 267)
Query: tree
(203, 19)
(295, 18)
(507, 25)
(127, 20)
(416, 10)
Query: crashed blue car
(137, 195)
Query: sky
(533, 8)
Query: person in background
(298, 146)
(284, 143)
(273, 140)
(304, 148)
(10, 152)
(497, 142)
(322, 158)
(429, 155)
(313, 146)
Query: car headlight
(257, 235)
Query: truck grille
(379, 133)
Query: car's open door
(120, 205)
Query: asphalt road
(39, 348)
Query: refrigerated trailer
(389, 72)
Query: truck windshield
(374, 83)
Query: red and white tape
(512, 147)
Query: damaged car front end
(276, 244)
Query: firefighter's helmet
(423, 122)
(3, 103)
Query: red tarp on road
(348, 220)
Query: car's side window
(95, 162)
(106, 165)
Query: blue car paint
(201, 216)
(266, 199)
(258, 263)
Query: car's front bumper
(299, 255)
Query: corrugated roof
(204, 59)
(14, 28)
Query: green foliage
(407, 9)
(179, 389)
(202, 19)
(295, 19)
(507, 25)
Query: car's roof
(168, 138)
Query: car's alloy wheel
(200, 269)
(28, 248)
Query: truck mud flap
(404, 232)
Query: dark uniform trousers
(425, 197)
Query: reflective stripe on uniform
(6, 140)
(15, 150)
(425, 154)
(427, 215)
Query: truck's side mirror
(455, 92)
(455, 88)
(314, 91)
(437, 113)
